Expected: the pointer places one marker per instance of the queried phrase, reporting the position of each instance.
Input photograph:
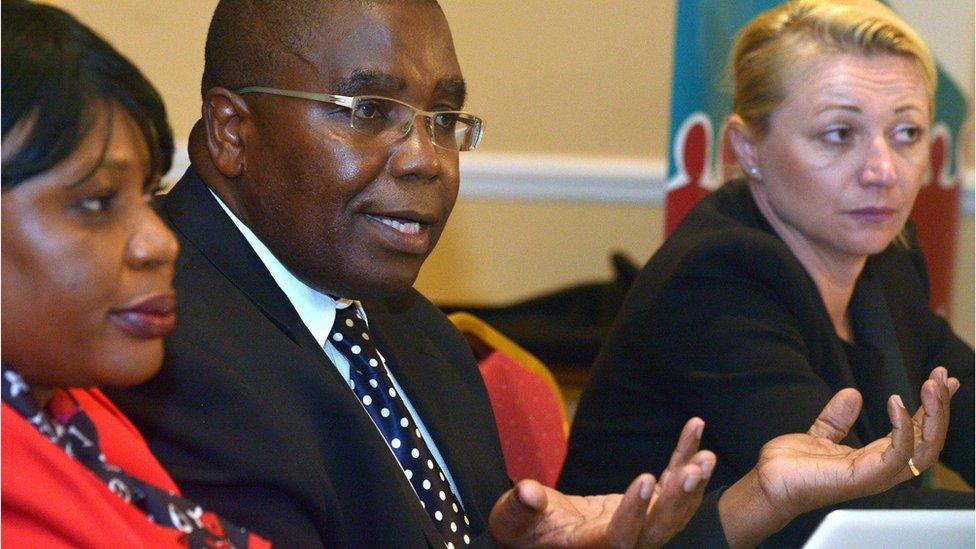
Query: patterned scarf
(65, 424)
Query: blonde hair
(776, 40)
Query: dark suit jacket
(253, 421)
(724, 323)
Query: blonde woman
(797, 281)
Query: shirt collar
(316, 309)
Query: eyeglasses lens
(389, 120)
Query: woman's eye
(908, 134)
(94, 205)
(837, 136)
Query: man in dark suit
(322, 173)
(296, 209)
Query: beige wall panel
(164, 39)
(499, 251)
(568, 76)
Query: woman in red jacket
(86, 292)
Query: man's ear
(224, 114)
(743, 143)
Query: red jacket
(51, 500)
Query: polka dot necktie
(371, 383)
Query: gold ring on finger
(912, 468)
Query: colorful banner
(700, 160)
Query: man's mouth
(407, 232)
(402, 225)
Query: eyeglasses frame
(350, 101)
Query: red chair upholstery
(529, 409)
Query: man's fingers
(678, 499)
(517, 511)
(838, 415)
(701, 466)
(688, 443)
(532, 495)
(676, 503)
(954, 385)
(934, 410)
(629, 518)
(902, 435)
(933, 418)
(705, 459)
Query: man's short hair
(250, 42)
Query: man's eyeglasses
(389, 120)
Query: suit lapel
(836, 368)
(871, 319)
(193, 211)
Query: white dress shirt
(317, 310)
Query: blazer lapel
(871, 319)
(193, 211)
(836, 367)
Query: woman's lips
(149, 318)
(873, 214)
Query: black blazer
(253, 421)
(724, 323)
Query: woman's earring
(754, 172)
